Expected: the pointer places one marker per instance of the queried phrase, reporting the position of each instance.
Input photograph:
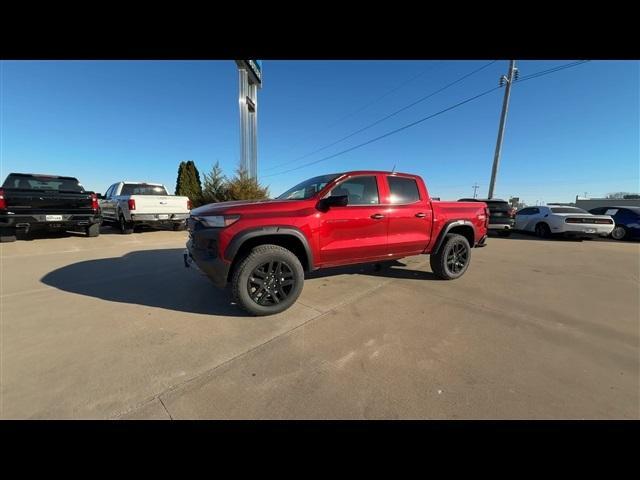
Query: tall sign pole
(511, 74)
(250, 80)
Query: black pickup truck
(46, 202)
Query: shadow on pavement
(154, 278)
(157, 278)
(382, 269)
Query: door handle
(421, 215)
(377, 216)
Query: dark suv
(502, 217)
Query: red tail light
(132, 204)
(94, 202)
(3, 203)
(188, 204)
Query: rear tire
(126, 228)
(7, 235)
(542, 230)
(619, 233)
(93, 230)
(453, 258)
(273, 267)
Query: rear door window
(403, 190)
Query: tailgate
(160, 204)
(32, 201)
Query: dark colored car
(262, 248)
(502, 217)
(627, 221)
(46, 202)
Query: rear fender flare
(447, 228)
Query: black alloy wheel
(270, 283)
(457, 257)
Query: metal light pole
(503, 119)
(250, 80)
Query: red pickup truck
(263, 248)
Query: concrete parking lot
(116, 327)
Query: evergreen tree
(179, 179)
(214, 187)
(242, 187)
(188, 183)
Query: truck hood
(240, 206)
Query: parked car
(264, 247)
(627, 221)
(546, 221)
(30, 202)
(502, 216)
(130, 204)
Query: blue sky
(569, 132)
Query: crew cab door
(108, 205)
(527, 218)
(410, 216)
(356, 232)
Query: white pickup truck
(129, 204)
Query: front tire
(453, 258)
(268, 280)
(619, 233)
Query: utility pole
(508, 78)
(475, 189)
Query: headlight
(219, 221)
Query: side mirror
(333, 201)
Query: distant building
(561, 204)
(589, 203)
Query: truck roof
(41, 175)
(143, 183)
(378, 172)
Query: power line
(551, 70)
(412, 124)
(422, 99)
(389, 92)
(367, 105)
(388, 133)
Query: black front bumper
(69, 221)
(202, 248)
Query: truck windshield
(308, 188)
(42, 183)
(142, 189)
